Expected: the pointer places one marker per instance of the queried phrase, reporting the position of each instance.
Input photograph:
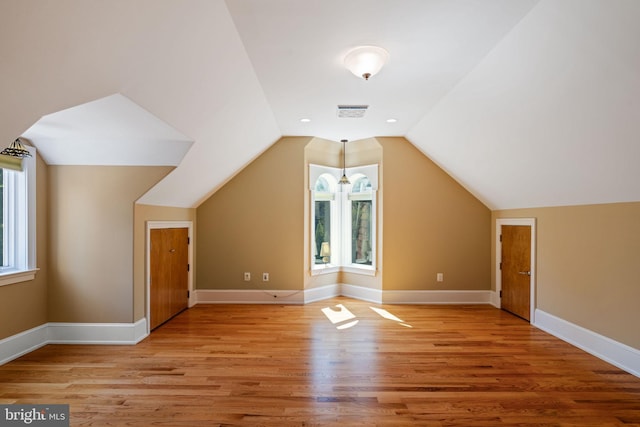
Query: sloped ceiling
(552, 115)
(525, 103)
(110, 131)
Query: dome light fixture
(366, 61)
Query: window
(361, 209)
(324, 201)
(343, 219)
(17, 227)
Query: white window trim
(371, 172)
(315, 171)
(22, 258)
(342, 252)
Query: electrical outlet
(265, 277)
(440, 277)
(247, 276)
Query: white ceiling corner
(108, 131)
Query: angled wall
(254, 224)
(431, 225)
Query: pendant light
(344, 179)
(16, 149)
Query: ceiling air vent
(351, 111)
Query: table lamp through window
(325, 252)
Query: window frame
(341, 238)
(354, 173)
(19, 213)
(315, 172)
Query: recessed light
(305, 120)
(392, 120)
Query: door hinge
(501, 237)
(500, 266)
(188, 267)
(500, 294)
(188, 294)
(188, 240)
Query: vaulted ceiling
(525, 103)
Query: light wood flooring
(279, 365)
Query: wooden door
(169, 273)
(516, 270)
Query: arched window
(324, 215)
(343, 219)
(361, 233)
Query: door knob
(172, 250)
(525, 273)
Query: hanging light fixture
(366, 61)
(16, 149)
(344, 179)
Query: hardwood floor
(274, 365)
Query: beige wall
(24, 305)
(142, 214)
(91, 212)
(428, 223)
(255, 223)
(588, 266)
(431, 225)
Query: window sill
(324, 269)
(357, 269)
(364, 270)
(9, 277)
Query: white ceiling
(525, 103)
(109, 131)
(297, 50)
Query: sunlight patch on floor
(390, 316)
(338, 314)
(343, 318)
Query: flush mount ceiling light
(366, 61)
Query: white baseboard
(321, 293)
(97, 333)
(361, 293)
(495, 299)
(71, 333)
(437, 297)
(256, 296)
(248, 296)
(25, 342)
(618, 354)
